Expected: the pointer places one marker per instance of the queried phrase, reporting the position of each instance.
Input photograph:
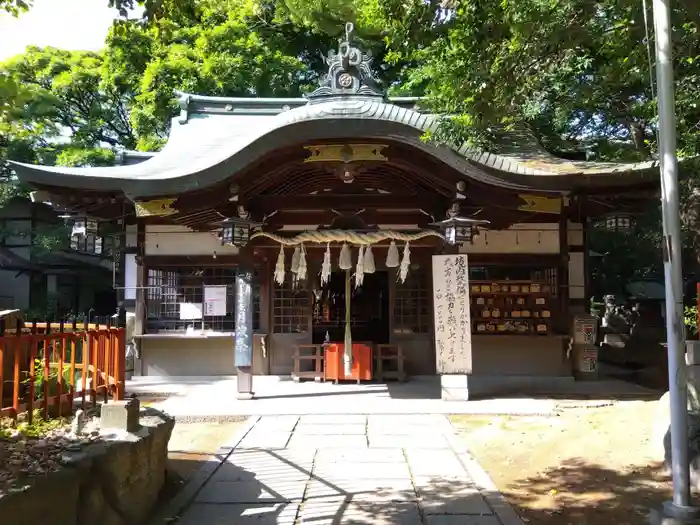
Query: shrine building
(323, 238)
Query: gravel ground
(23, 458)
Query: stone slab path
(347, 470)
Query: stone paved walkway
(348, 470)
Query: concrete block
(240, 514)
(362, 489)
(253, 492)
(329, 430)
(461, 519)
(439, 463)
(333, 441)
(256, 440)
(438, 496)
(323, 419)
(121, 415)
(672, 514)
(430, 442)
(338, 511)
(454, 387)
(353, 470)
(358, 455)
(692, 353)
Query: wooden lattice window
(291, 309)
(412, 304)
(168, 288)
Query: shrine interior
(369, 309)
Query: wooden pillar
(266, 297)
(586, 262)
(121, 291)
(141, 279)
(243, 357)
(563, 267)
(140, 310)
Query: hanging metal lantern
(84, 234)
(236, 231)
(618, 222)
(459, 230)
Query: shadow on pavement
(285, 490)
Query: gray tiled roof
(211, 144)
(9, 260)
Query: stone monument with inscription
(453, 339)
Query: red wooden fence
(52, 365)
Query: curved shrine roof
(212, 143)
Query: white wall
(524, 238)
(575, 234)
(180, 240)
(577, 264)
(577, 276)
(131, 235)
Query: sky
(67, 24)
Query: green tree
(56, 110)
(217, 48)
(14, 7)
(578, 74)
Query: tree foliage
(15, 7)
(215, 48)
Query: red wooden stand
(361, 362)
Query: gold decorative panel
(155, 208)
(346, 152)
(540, 204)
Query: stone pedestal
(454, 387)
(692, 360)
(244, 383)
(671, 514)
(121, 415)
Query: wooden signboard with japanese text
(453, 335)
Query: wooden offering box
(361, 363)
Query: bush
(53, 379)
(691, 320)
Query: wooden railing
(50, 366)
